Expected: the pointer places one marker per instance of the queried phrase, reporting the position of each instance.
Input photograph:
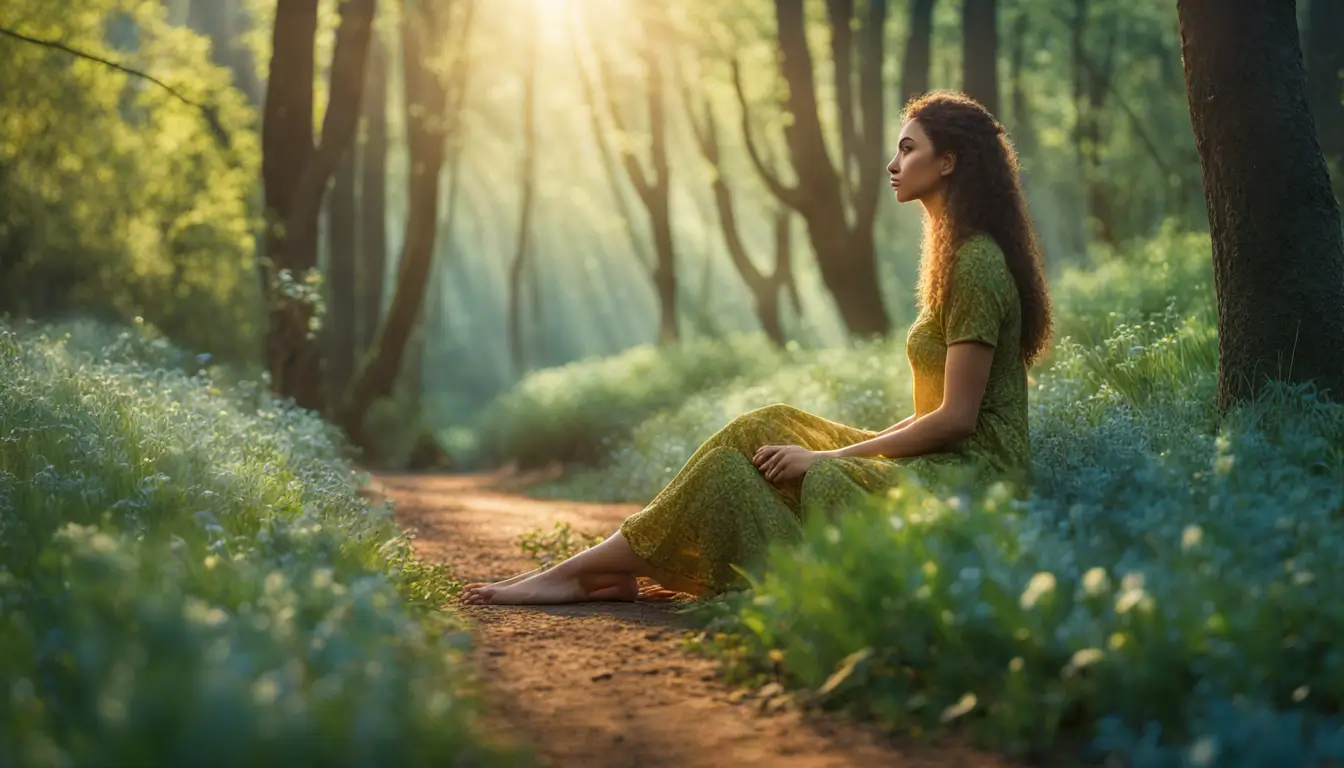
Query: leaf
(846, 668)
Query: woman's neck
(935, 206)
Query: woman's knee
(775, 410)
(768, 413)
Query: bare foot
(549, 590)
(471, 588)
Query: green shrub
(187, 576)
(580, 411)
(867, 385)
(1172, 272)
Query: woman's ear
(947, 164)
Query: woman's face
(916, 170)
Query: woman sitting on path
(984, 318)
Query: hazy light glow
(552, 8)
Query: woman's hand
(780, 463)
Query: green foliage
(575, 412)
(187, 576)
(559, 543)
(864, 385)
(1172, 272)
(115, 198)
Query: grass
(188, 576)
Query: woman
(984, 318)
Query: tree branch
(871, 89)
(633, 168)
(790, 196)
(208, 112)
(723, 196)
(1135, 121)
(604, 149)
(841, 14)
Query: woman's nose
(892, 167)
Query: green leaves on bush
(187, 577)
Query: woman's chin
(901, 196)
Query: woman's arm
(902, 424)
(967, 375)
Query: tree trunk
(604, 154)
(373, 199)
(527, 171)
(1278, 250)
(844, 248)
(654, 191)
(1024, 137)
(980, 52)
(1325, 82)
(428, 121)
(295, 177)
(764, 289)
(340, 316)
(918, 51)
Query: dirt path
(604, 685)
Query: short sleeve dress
(719, 511)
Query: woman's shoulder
(979, 254)
(980, 246)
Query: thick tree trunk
(1325, 82)
(295, 178)
(373, 199)
(980, 52)
(1278, 250)
(340, 318)
(527, 171)
(918, 51)
(286, 146)
(428, 121)
(844, 248)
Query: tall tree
(342, 207)
(653, 189)
(429, 122)
(837, 200)
(372, 256)
(918, 51)
(527, 172)
(295, 175)
(765, 289)
(1024, 135)
(1325, 81)
(1278, 249)
(1091, 85)
(980, 52)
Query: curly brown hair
(983, 197)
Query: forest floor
(600, 685)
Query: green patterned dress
(720, 510)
